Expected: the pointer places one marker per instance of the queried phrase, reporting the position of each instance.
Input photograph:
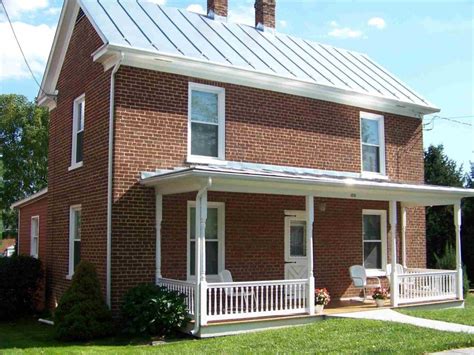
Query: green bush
(82, 313)
(20, 278)
(153, 310)
(447, 261)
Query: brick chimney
(265, 14)
(217, 8)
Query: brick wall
(86, 185)
(37, 207)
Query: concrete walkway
(389, 315)
(464, 351)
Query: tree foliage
(24, 152)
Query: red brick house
(215, 146)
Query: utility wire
(450, 119)
(21, 50)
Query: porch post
(393, 234)
(457, 228)
(202, 251)
(309, 250)
(404, 229)
(159, 218)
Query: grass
(455, 315)
(331, 336)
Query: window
(74, 238)
(374, 230)
(206, 126)
(373, 143)
(297, 239)
(214, 240)
(78, 116)
(34, 249)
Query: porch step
(452, 303)
(230, 327)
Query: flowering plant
(380, 293)
(321, 296)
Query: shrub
(447, 261)
(153, 310)
(82, 313)
(20, 278)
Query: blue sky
(428, 44)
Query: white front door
(296, 263)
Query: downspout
(109, 181)
(197, 293)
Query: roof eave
(30, 199)
(145, 59)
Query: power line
(21, 50)
(450, 119)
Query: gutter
(197, 291)
(109, 181)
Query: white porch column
(404, 230)
(309, 250)
(201, 222)
(393, 234)
(457, 228)
(158, 218)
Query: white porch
(210, 302)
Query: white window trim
(221, 240)
(34, 253)
(383, 231)
(294, 216)
(72, 209)
(79, 100)
(381, 125)
(202, 159)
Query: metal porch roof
(142, 25)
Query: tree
(440, 170)
(24, 153)
(468, 228)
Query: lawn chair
(226, 276)
(359, 279)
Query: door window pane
(298, 239)
(371, 158)
(204, 107)
(372, 255)
(204, 139)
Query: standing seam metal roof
(147, 26)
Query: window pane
(34, 227)
(204, 107)
(204, 139)
(211, 258)
(192, 254)
(192, 223)
(80, 116)
(371, 158)
(370, 131)
(211, 223)
(372, 227)
(372, 255)
(77, 224)
(298, 239)
(79, 144)
(77, 253)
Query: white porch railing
(233, 300)
(184, 287)
(421, 285)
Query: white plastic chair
(226, 276)
(400, 270)
(359, 279)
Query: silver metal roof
(143, 25)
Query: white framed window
(74, 238)
(78, 117)
(215, 249)
(206, 123)
(372, 138)
(34, 247)
(374, 240)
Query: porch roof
(257, 178)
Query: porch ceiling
(299, 182)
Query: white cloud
(242, 14)
(333, 24)
(16, 7)
(377, 22)
(345, 32)
(283, 23)
(196, 8)
(36, 43)
(53, 11)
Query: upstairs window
(373, 143)
(78, 117)
(74, 238)
(34, 249)
(206, 126)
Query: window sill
(373, 176)
(196, 159)
(75, 166)
(375, 273)
(69, 277)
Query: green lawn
(331, 336)
(455, 315)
